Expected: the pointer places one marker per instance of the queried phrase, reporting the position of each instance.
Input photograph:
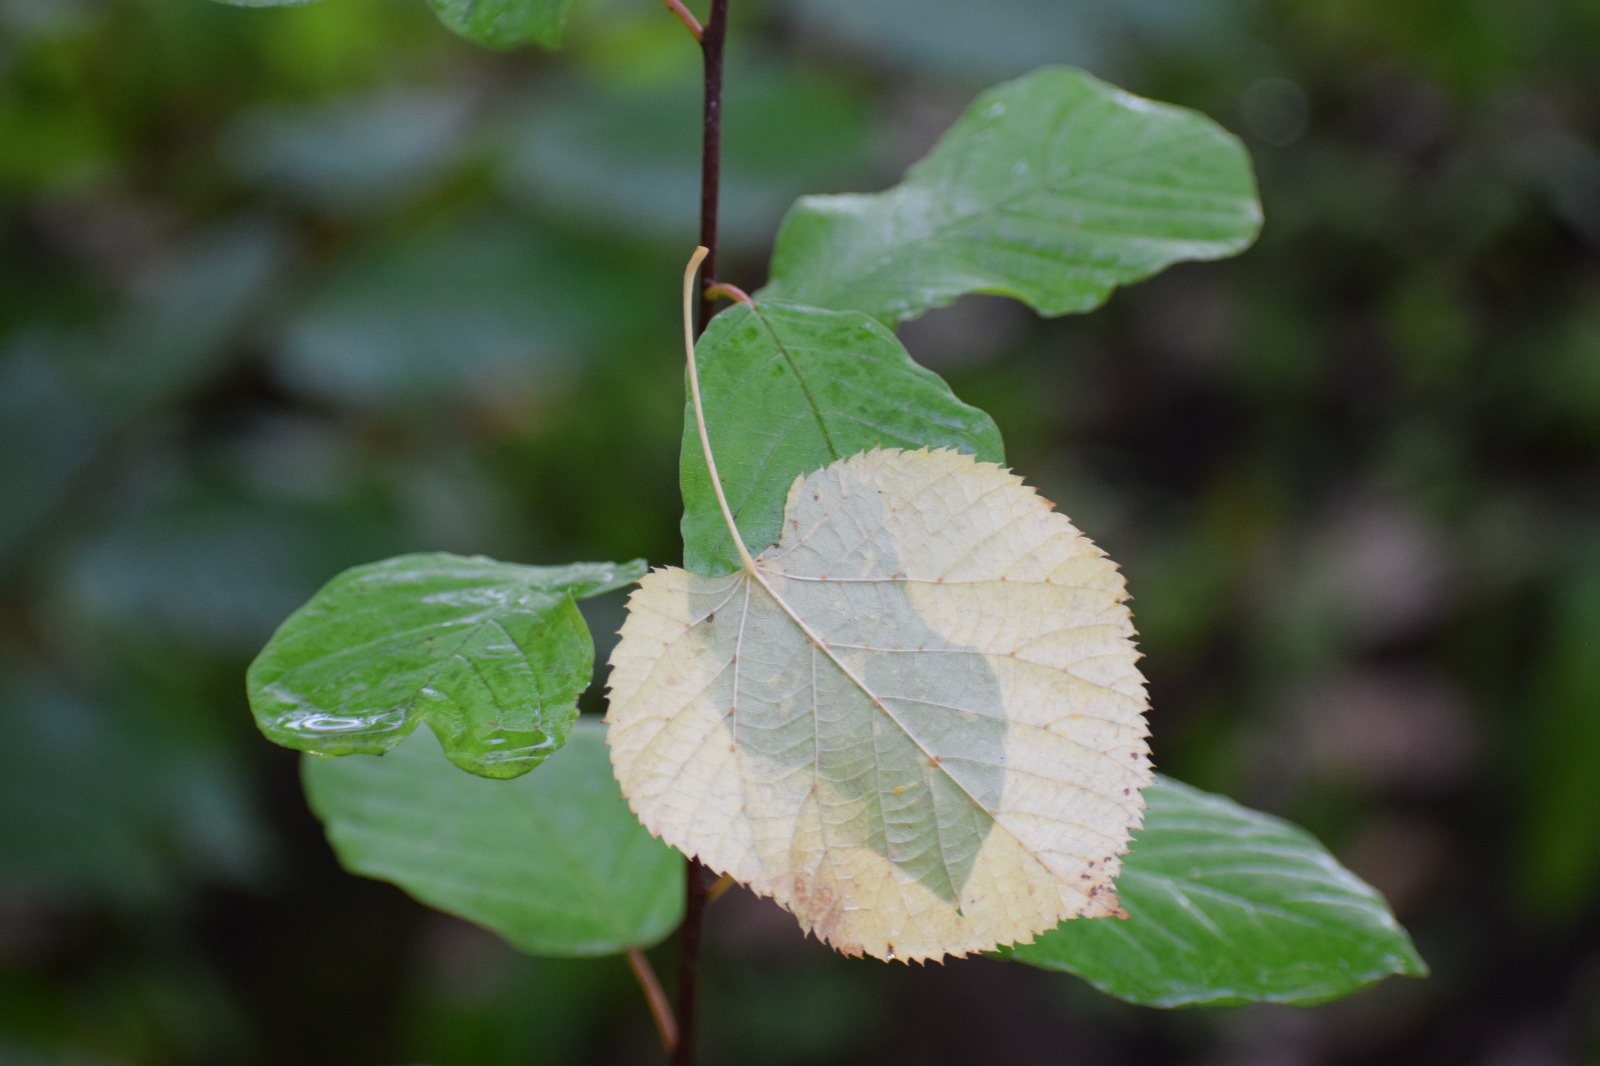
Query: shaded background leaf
(623, 153)
(365, 154)
(1563, 844)
(374, 332)
(86, 824)
(1007, 38)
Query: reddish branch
(713, 38)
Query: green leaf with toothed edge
(492, 656)
(789, 389)
(1227, 905)
(554, 861)
(1053, 189)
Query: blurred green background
(285, 291)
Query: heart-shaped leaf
(916, 721)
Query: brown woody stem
(713, 38)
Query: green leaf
(1227, 905)
(491, 655)
(554, 862)
(505, 24)
(1054, 188)
(790, 389)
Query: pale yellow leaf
(916, 721)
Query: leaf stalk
(685, 16)
(722, 289)
(701, 254)
(660, 1009)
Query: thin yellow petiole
(721, 885)
(700, 413)
(748, 563)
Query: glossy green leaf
(1054, 188)
(505, 23)
(554, 862)
(1228, 905)
(493, 656)
(790, 389)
